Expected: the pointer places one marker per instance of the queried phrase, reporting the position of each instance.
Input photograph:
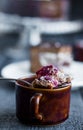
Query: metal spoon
(25, 83)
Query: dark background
(76, 9)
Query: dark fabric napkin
(9, 121)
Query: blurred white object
(53, 26)
(17, 70)
(47, 26)
(10, 23)
(22, 69)
(9, 28)
(60, 27)
(59, 59)
(35, 36)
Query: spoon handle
(20, 81)
(7, 79)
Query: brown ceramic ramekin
(42, 106)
